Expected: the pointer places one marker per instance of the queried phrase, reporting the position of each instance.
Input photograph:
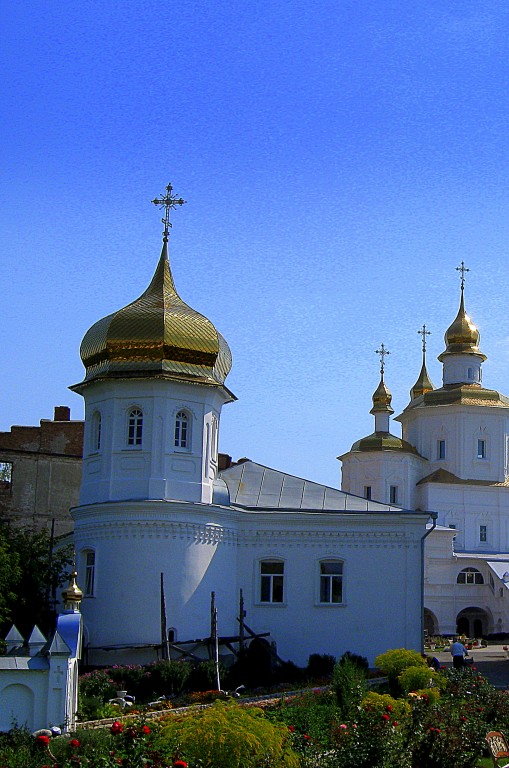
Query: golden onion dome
(73, 594)
(422, 385)
(383, 441)
(382, 399)
(156, 335)
(462, 337)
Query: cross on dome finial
(382, 353)
(168, 202)
(423, 332)
(462, 269)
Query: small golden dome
(73, 593)
(158, 334)
(462, 336)
(422, 385)
(383, 441)
(382, 399)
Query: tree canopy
(31, 571)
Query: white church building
(322, 570)
(453, 458)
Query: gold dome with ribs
(156, 335)
(462, 336)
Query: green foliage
(415, 678)
(229, 736)
(97, 683)
(203, 676)
(393, 662)
(360, 661)
(349, 685)
(398, 709)
(30, 576)
(170, 678)
(314, 713)
(320, 666)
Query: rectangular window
(393, 494)
(483, 533)
(331, 582)
(89, 574)
(5, 476)
(481, 449)
(440, 449)
(367, 492)
(453, 526)
(271, 581)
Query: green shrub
(229, 736)
(98, 684)
(415, 678)
(399, 709)
(320, 665)
(357, 659)
(314, 713)
(169, 678)
(349, 685)
(393, 662)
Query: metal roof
(254, 485)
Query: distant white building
(453, 459)
(321, 570)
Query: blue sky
(339, 160)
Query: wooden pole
(165, 651)
(214, 636)
(242, 616)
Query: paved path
(492, 662)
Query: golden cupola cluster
(158, 334)
(462, 336)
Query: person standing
(458, 653)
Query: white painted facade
(321, 570)
(453, 458)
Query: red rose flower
(74, 743)
(42, 739)
(117, 727)
(385, 717)
(395, 723)
(388, 708)
(291, 728)
(180, 764)
(305, 736)
(145, 729)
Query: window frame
(266, 581)
(134, 424)
(89, 568)
(96, 432)
(394, 494)
(328, 580)
(441, 449)
(368, 492)
(482, 449)
(471, 576)
(179, 425)
(483, 533)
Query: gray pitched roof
(254, 485)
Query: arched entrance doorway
(430, 623)
(472, 622)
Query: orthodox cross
(168, 202)
(462, 268)
(382, 352)
(423, 332)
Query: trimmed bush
(349, 685)
(229, 736)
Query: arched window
(135, 427)
(182, 430)
(96, 431)
(89, 567)
(470, 576)
(331, 581)
(272, 581)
